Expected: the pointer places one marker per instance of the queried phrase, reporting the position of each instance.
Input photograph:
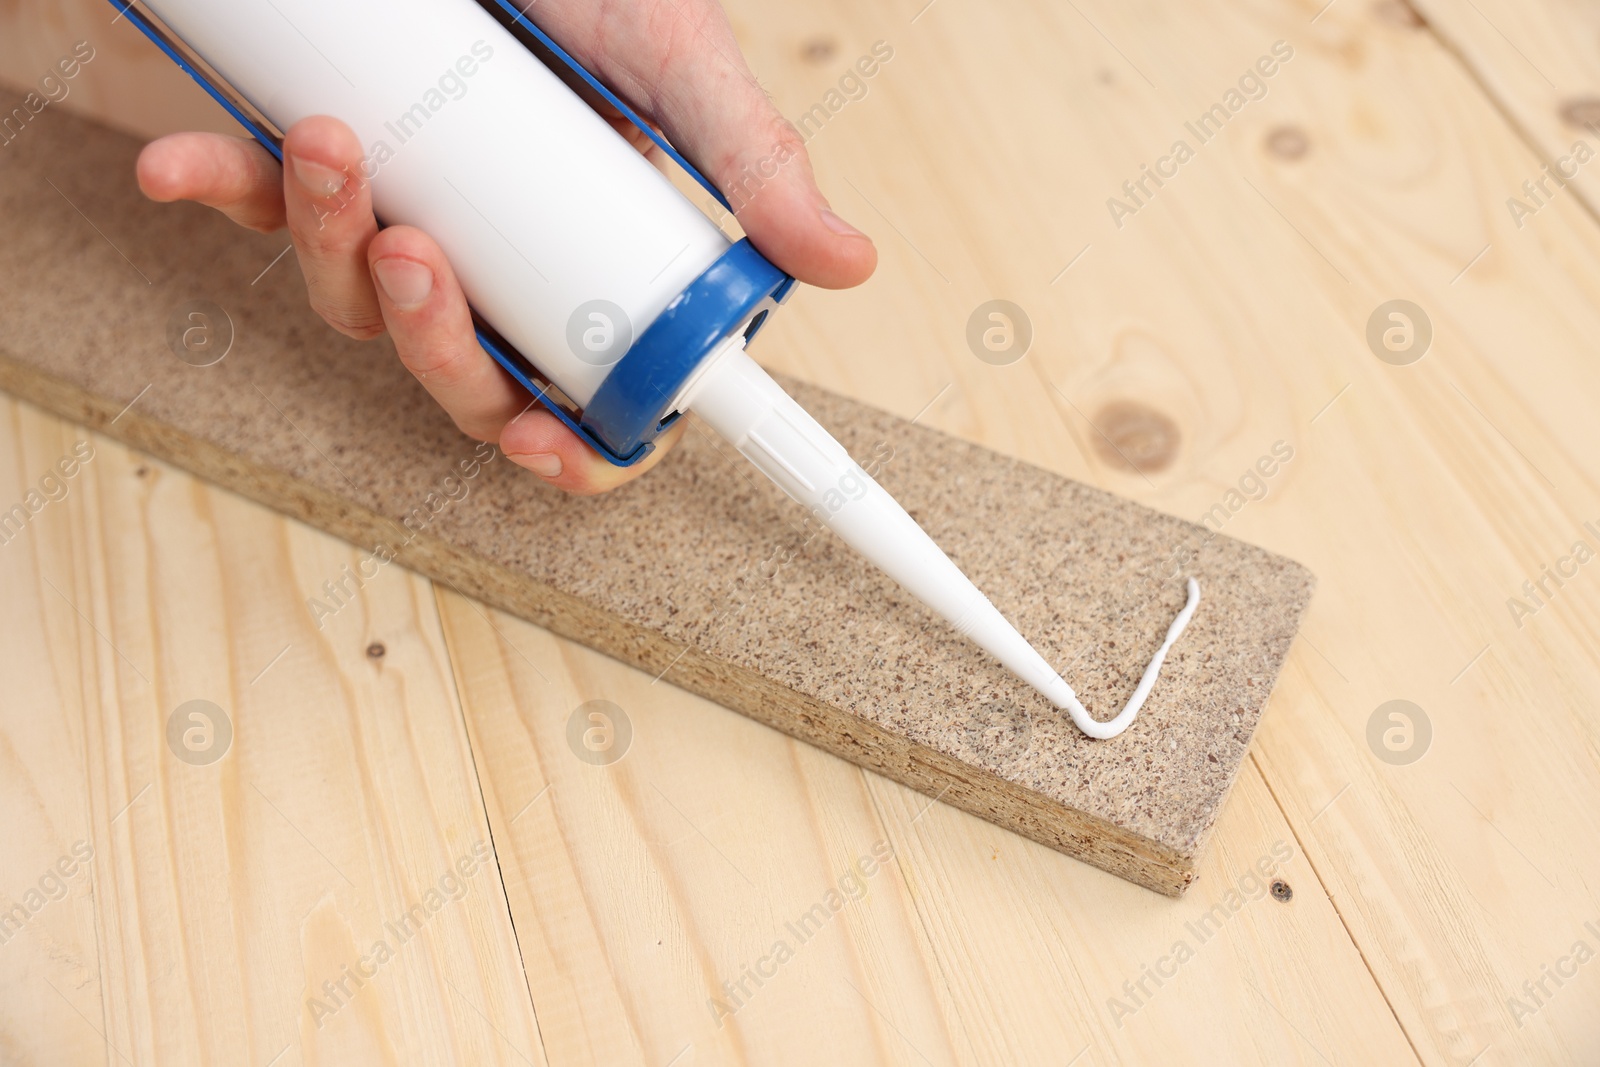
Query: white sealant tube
(752, 412)
(539, 206)
(537, 202)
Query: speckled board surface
(701, 569)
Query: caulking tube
(597, 275)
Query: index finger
(234, 175)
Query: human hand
(675, 62)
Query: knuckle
(337, 231)
(438, 364)
(785, 137)
(747, 170)
(322, 242)
(779, 143)
(359, 323)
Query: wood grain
(52, 1005)
(1419, 494)
(1540, 65)
(1236, 302)
(648, 887)
(222, 894)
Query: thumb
(694, 83)
(759, 161)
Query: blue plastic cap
(633, 404)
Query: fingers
(682, 66)
(236, 176)
(427, 315)
(542, 443)
(362, 281)
(318, 191)
(423, 306)
(329, 210)
(759, 162)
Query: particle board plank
(237, 864)
(698, 572)
(661, 880)
(1232, 308)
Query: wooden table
(405, 774)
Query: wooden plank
(702, 571)
(1231, 974)
(236, 869)
(1377, 170)
(1419, 513)
(671, 886)
(1540, 63)
(52, 1008)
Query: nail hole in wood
(376, 650)
(1282, 892)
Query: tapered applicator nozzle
(743, 404)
